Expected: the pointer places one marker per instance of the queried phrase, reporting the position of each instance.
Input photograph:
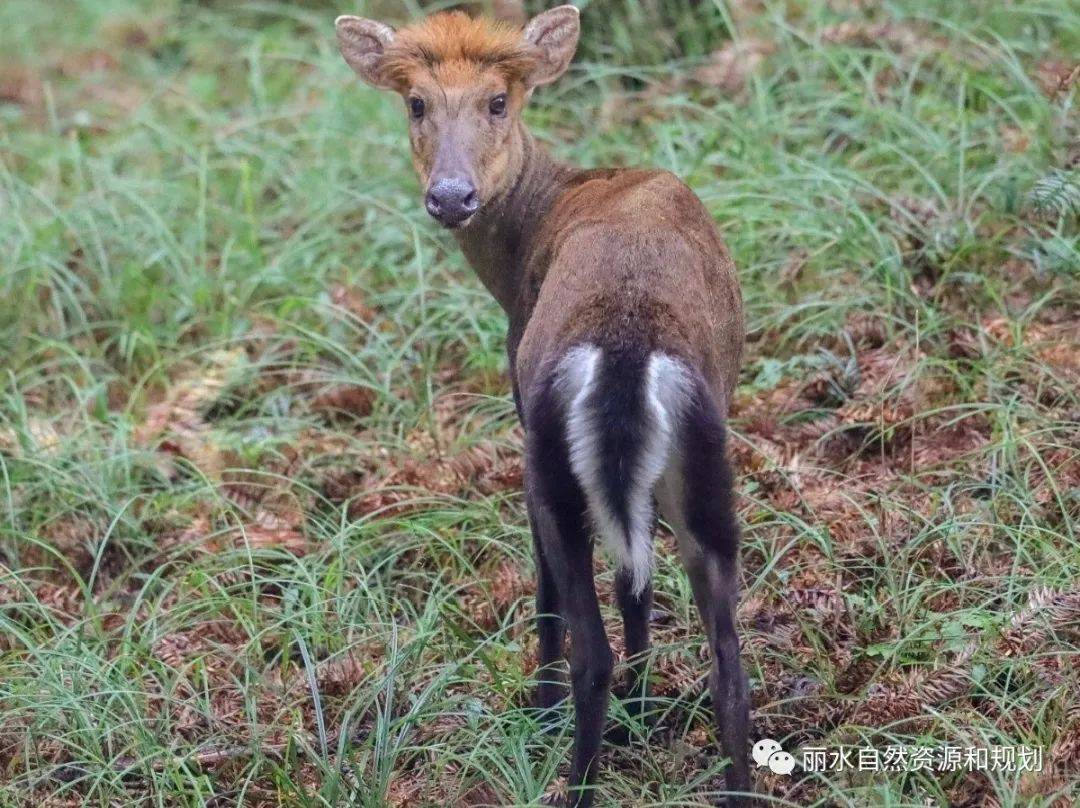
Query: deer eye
(497, 105)
(416, 108)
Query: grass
(262, 537)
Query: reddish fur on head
(454, 48)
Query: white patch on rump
(666, 387)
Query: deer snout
(452, 200)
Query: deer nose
(452, 200)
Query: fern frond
(1057, 195)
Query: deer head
(465, 82)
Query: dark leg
(550, 628)
(704, 518)
(558, 507)
(715, 584)
(591, 660)
(727, 680)
(567, 548)
(635, 614)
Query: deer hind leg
(550, 626)
(695, 498)
(635, 608)
(557, 505)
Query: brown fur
(633, 256)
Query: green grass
(262, 538)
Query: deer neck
(500, 241)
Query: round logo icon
(781, 762)
(763, 750)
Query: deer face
(462, 120)
(464, 82)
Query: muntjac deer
(625, 337)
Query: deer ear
(363, 43)
(552, 37)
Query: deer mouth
(459, 225)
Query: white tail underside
(666, 386)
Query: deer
(624, 340)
